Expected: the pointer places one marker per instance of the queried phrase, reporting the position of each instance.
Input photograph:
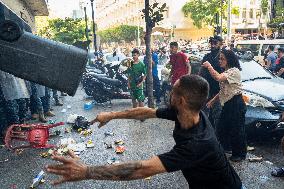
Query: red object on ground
(120, 149)
(35, 134)
(179, 67)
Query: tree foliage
(264, 6)
(66, 30)
(236, 11)
(279, 18)
(155, 14)
(121, 33)
(203, 11)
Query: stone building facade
(27, 9)
(112, 13)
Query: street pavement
(142, 140)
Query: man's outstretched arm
(127, 171)
(135, 113)
(72, 169)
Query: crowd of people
(22, 100)
(274, 60)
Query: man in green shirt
(136, 77)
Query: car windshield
(254, 48)
(265, 46)
(251, 70)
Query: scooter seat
(97, 75)
(109, 81)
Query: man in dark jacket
(216, 44)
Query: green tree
(264, 7)
(66, 30)
(153, 14)
(279, 18)
(203, 11)
(236, 11)
(117, 34)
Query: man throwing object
(197, 152)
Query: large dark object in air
(49, 63)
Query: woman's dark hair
(232, 59)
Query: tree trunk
(149, 81)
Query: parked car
(265, 99)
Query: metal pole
(94, 26)
(138, 34)
(229, 20)
(87, 32)
(172, 31)
(221, 22)
(86, 22)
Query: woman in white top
(231, 127)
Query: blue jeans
(157, 88)
(8, 112)
(12, 112)
(35, 101)
(3, 117)
(46, 100)
(22, 109)
(55, 95)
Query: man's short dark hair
(281, 50)
(271, 47)
(215, 38)
(173, 44)
(195, 89)
(135, 51)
